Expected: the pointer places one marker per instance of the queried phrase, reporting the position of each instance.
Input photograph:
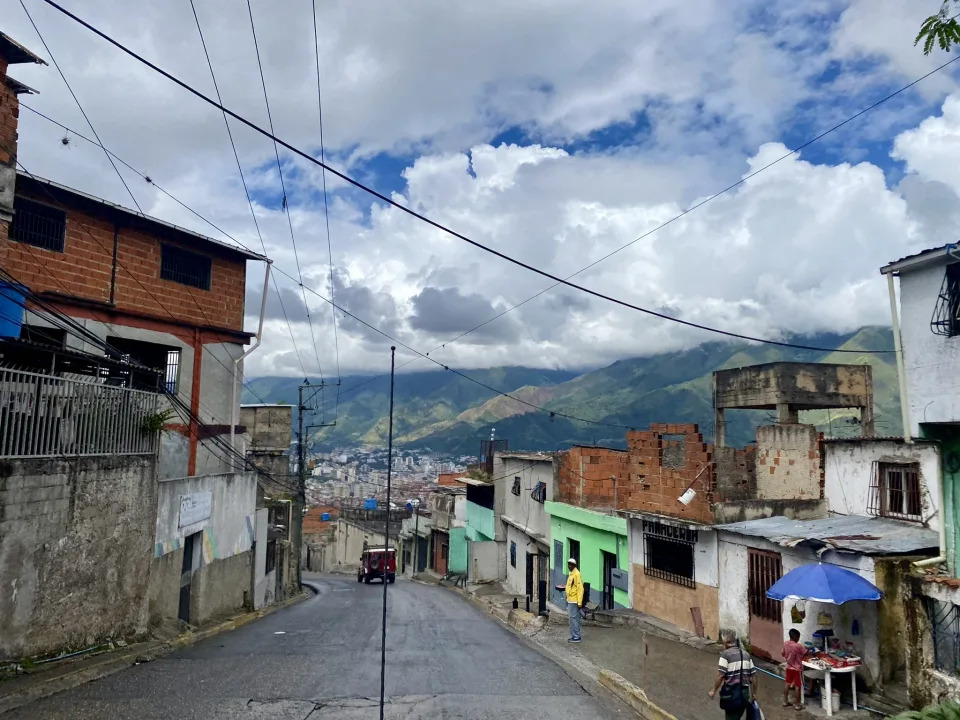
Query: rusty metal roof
(850, 533)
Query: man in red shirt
(793, 653)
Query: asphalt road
(321, 659)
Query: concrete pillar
(866, 421)
(719, 428)
(786, 415)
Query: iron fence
(945, 629)
(53, 416)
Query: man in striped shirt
(736, 675)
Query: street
(321, 659)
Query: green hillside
(445, 412)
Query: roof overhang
(941, 255)
(27, 181)
(18, 87)
(665, 520)
(15, 53)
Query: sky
(554, 132)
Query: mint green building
(481, 519)
(599, 544)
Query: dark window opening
(39, 225)
(185, 267)
(513, 554)
(54, 337)
(945, 630)
(271, 556)
(668, 553)
(895, 491)
(162, 358)
(946, 313)
(574, 550)
(516, 486)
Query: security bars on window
(895, 491)
(37, 224)
(668, 553)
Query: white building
(927, 330)
(529, 483)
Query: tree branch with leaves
(941, 29)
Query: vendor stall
(833, 585)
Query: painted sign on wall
(195, 508)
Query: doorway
(609, 563)
(186, 577)
(766, 615)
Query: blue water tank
(12, 298)
(370, 504)
(325, 516)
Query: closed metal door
(766, 615)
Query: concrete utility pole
(416, 535)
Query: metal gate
(766, 615)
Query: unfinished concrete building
(787, 459)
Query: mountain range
(448, 413)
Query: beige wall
(788, 462)
(671, 602)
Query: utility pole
(301, 484)
(386, 535)
(416, 536)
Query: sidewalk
(49, 678)
(678, 673)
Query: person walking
(574, 592)
(736, 678)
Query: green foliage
(941, 29)
(948, 710)
(154, 422)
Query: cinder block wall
(76, 539)
(789, 464)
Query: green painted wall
(480, 523)
(457, 562)
(596, 532)
(949, 437)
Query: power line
(283, 187)
(77, 101)
(243, 180)
(326, 211)
(497, 392)
(557, 279)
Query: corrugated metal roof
(853, 533)
(921, 256)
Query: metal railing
(64, 415)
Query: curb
(134, 655)
(633, 696)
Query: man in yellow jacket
(574, 599)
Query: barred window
(945, 630)
(516, 486)
(668, 552)
(513, 554)
(539, 492)
(895, 491)
(37, 224)
(946, 312)
(185, 267)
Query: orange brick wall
(584, 476)
(84, 270)
(672, 602)
(654, 488)
(9, 112)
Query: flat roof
(521, 455)
(27, 180)
(850, 533)
(924, 257)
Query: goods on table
(832, 660)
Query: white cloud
(711, 92)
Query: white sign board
(195, 508)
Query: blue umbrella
(824, 583)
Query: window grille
(668, 553)
(895, 491)
(513, 554)
(946, 312)
(945, 630)
(37, 224)
(516, 486)
(539, 492)
(185, 267)
(765, 568)
(171, 380)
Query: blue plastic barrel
(12, 297)
(325, 516)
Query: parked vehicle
(378, 564)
